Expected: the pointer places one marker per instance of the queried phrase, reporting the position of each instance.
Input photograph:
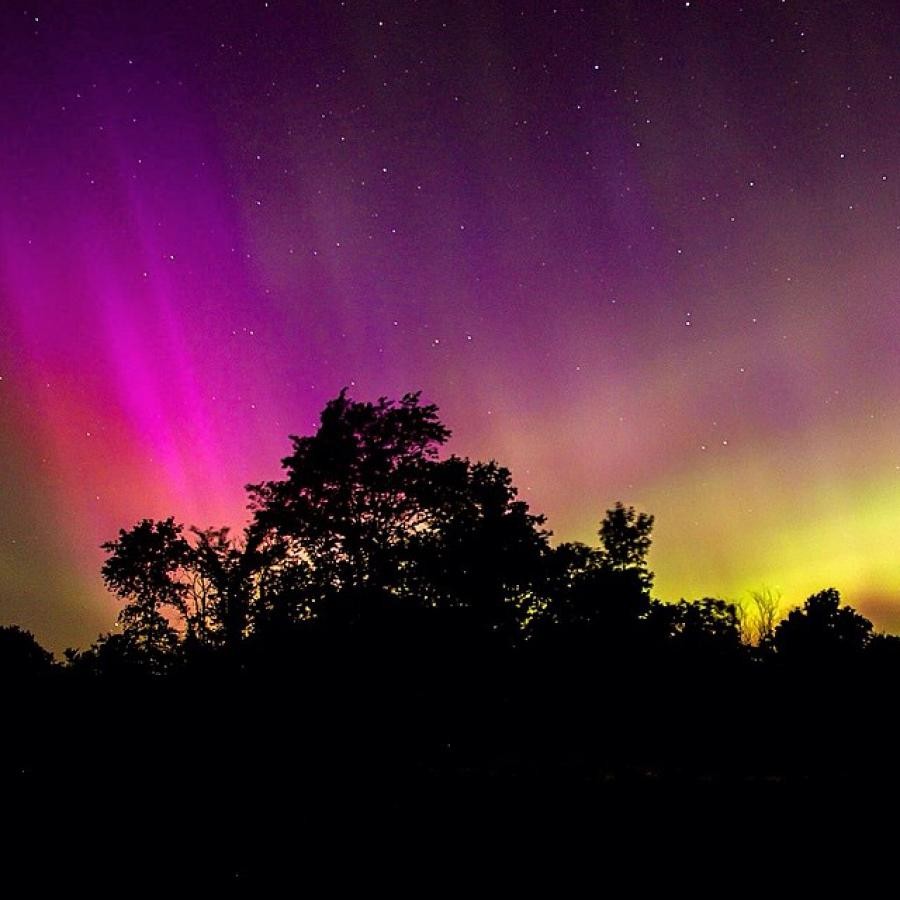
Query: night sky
(634, 250)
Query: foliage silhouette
(143, 570)
(765, 605)
(353, 495)
(822, 631)
(393, 632)
(21, 656)
(625, 537)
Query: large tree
(367, 510)
(353, 496)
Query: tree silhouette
(143, 569)
(220, 587)
(173, 587)
(764, 616)
(481, 549)
(351, 501)
(21, 656)
(121, 657)
(600, 590)
(822, 631)
(625, 538)
(708, 626)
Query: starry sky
(634, 250)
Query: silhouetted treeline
(393, 634)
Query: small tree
(144, 569)
(605, 589)
(763, 616)
(625, 538)
(219, 587)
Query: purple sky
(642, 250)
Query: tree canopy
(370, 517)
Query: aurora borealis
(642, 250)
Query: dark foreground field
(166, 786)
